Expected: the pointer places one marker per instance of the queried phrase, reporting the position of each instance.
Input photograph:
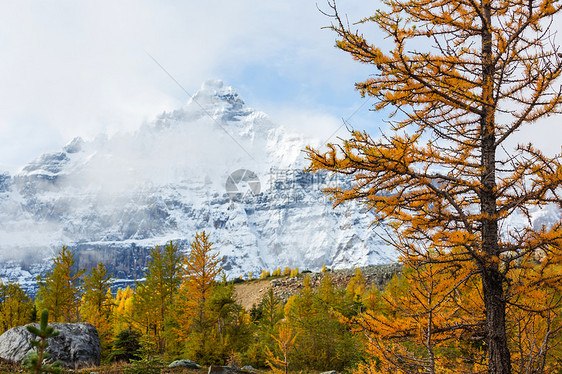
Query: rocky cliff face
(215, 165)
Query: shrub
(145, 366)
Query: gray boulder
(213, 369)
(188, 364)
(77, 346)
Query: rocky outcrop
(377, 275)
(78, 345)
(251, 293)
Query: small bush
(145, 366)
(34, 360)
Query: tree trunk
(499, 359)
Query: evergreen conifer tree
(34, 361)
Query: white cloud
(80, 68)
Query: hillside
(251, 292)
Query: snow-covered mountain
(215, 165)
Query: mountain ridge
(113, 198)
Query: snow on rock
(111, 198)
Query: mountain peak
(167, 181)
(75, 145)
(214, 99)
(214, 91)
(215, 86)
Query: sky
(83, 68)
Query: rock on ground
(77, 346)
(184, 364)
(213, 369)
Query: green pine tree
(34, 360)
(126, 347)
(271, 311)
(266, 317)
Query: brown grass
(7, 367)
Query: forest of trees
(184, 308)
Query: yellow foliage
(285, 340)
(265, 274)
(122, 314)
(356, 285)
(202, 266)
(460, 80)
(59, 290)
(97, 302)
(15, 306)
(418, 313)
(289, 304)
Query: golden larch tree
(59, 290)
(155, 295)
(422, 323)
(15, 306)
(285, 340)
(462, 78)
(190, 311)
(97, 301)
(202, 266)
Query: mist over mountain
(214, 164)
